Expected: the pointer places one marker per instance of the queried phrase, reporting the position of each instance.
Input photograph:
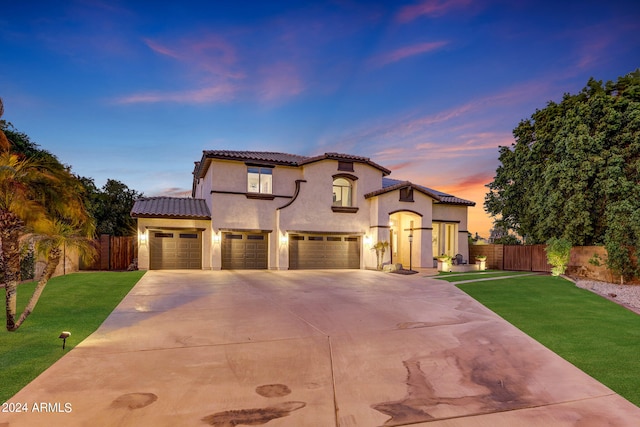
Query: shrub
(558, 251)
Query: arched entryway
(405, 238)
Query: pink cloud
(429, 8)
(281, 80)
(469, 182)
(162, 50)
(408, 51)
(219, 93)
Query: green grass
(78, 303)
(474, 275)
(593, 333)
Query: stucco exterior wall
(145, 224)
(457, 214)
(312, 210)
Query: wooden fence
(513, 257)
(114, 253)
(526, 258)
(585, 261)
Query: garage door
(175, 249)
(242, 251)
(308, 251)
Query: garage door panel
(242, 250)
(175, 249)
(324, 251)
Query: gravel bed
(626, 295)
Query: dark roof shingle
(170, 207)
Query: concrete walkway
(311, 348)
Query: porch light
(216, 238)
(367, 240)
(142, 238)
(284, 239)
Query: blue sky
(135, 90)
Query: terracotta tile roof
(389, 184)
(347, 157)
(261, 156)
(170, 207)
(274, 158)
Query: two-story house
(264, 210)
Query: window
(445, 239)
(342, 192)
(259, 180)
(163, 235)
(406, 194)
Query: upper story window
(259, 180)
(342, 191)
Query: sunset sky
(135, 90)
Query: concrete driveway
(311, 348)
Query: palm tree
(52, 238)
(43, 198)
(4, 142)
(17, 207)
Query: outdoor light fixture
(367, 240)
(64, 335)
(216, 238)
(284, 239)
(143, 238)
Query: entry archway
(403, 224)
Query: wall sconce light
(216, 238)
(143, 238)
(367, 240)
(284, 239)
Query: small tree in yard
(51, 239)
(558, 252)
(380, 249)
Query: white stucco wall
(312, 210)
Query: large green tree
(111, 206)
(573, 172)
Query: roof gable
(389, 184)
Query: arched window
(342, 191)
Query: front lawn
(474, 275)
(593, 333)
(77, 303)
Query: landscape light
(64, 335)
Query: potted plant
(481, 260)
(444, 262)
